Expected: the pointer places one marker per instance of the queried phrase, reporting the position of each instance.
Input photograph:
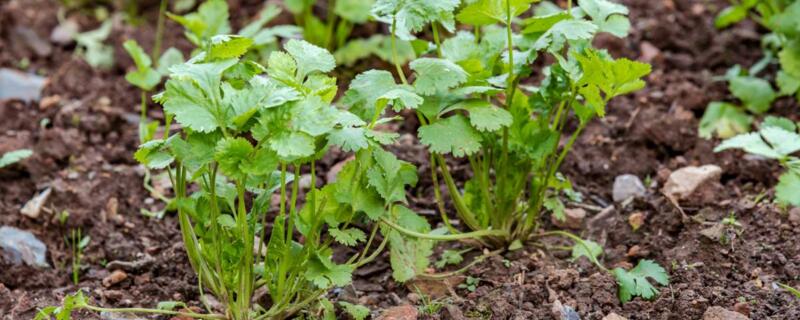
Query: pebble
(32, 40)
(627, 186)
(564, 312)
(720, 313)
(636, 220)
(614, 316)
(573, 219)
(22, 246)
(115, 277)
(685, 181)
(65, 32)
(34, 206)
(305, 181)
(16, 84)
(403, 312)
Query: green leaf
(791, 290)
(413, 15)
(232, 154)
(773, 142)
(390, 176)
(451, 135)
(228, 46)
(556, 207)
(757, 94)
(15, 156)
(787, 192)
(152, 155)
(309, 57)
(608, 16)
(193, 93)
(565, 30)
(140, 58)
(293, 145)
(589, 249)
(324, 274)
(168, 59)
(449, 257)
(313, 116)
(349, 139)
(605, 78)
(483, 12)
(723, 119)
(357, 311)
(540, 24)
(349, 237)
(436, 75)
(483, 115)
(408, 256)
(635, 282)
(210, 19)
(780, 122)
(355, 11)
(269, 12)
(226, 221)
(730, 15)
(786, 22)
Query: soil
(83, 133)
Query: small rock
(32, 40)
(698, 9)
(455, 313)
(627, 186)
(404, 312)
(720, 313)
(636, 220)
(685, 181)
(34, 206)
(110, 213)
(22, 246)
(65, 32)
(714, 232)
(742, 307)
(649, 52)
(564, 312)
(115, 277)
(20, 85)
(333, 171)
(49, 101)
(131, 266)
(413, 298)
(573, 219)
(614, 316)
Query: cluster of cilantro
(755, 93)
(480, 102)
(243, 127)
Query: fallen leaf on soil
(636, 220)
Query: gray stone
(685, 181)
(21, 246)
(627, 186)
(65, 32)
(32, 40)
(15, 84)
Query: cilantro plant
(247, 132)
(341, 17)
(91, 46)
(756, 94)
(482, 103)
(209, 26)
(777, 139)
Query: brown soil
(84, 153)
